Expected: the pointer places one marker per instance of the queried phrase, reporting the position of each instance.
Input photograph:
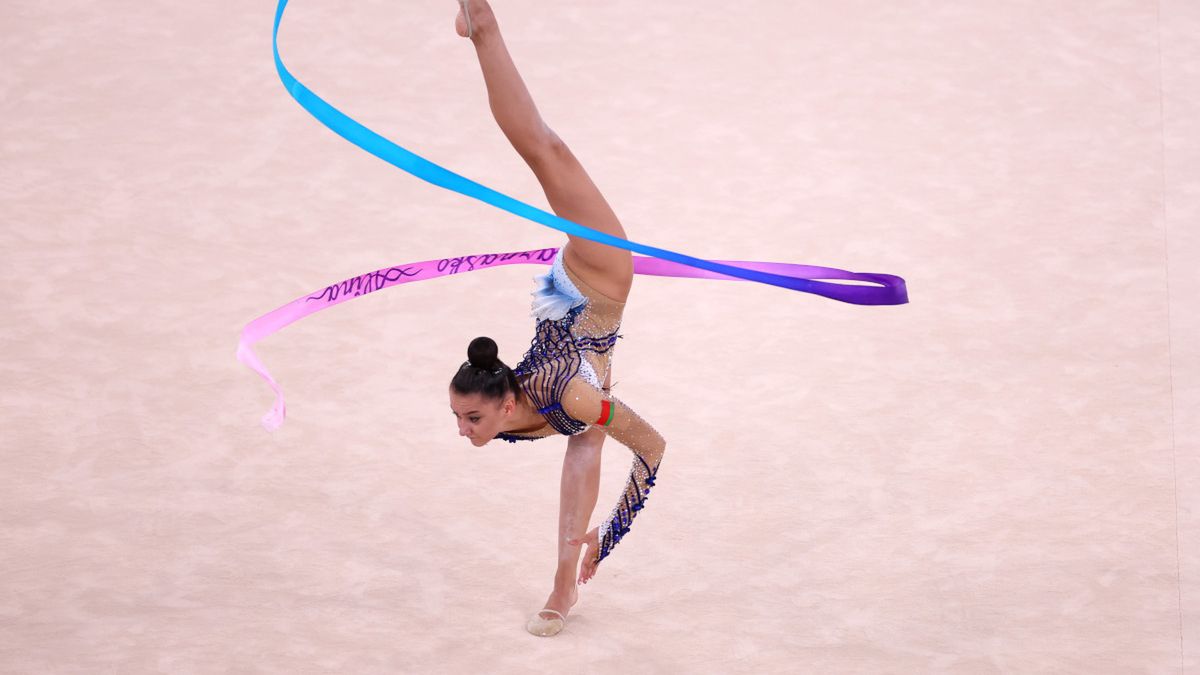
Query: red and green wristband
(607, 412)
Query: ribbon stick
(890, 289)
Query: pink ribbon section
(363, 284)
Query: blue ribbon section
(891, 292)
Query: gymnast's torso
(574, 338)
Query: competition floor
(1002, 476)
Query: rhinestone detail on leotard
(555, 353)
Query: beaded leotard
(575, 335)
(561, 373)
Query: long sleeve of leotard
(585, 403)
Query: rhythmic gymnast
(578, 304)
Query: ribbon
(891, 290)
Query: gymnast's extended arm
(585, 403)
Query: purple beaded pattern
(553, 358)
(622, 515)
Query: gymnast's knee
(586, 446)
(544, 150)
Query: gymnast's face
(479, 418)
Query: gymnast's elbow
(658, 448)
(645, 443)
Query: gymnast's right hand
(588, 569)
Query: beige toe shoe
(466, 14)
(543, 627)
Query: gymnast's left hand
(588, 569)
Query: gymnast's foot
(547, 623)
(481, 22)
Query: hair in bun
(484, 373)
(482, 353)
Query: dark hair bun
(483, 353)
(485, 374)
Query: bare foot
(482, 18)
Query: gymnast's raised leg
(569, 189)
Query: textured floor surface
(1002, 476)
